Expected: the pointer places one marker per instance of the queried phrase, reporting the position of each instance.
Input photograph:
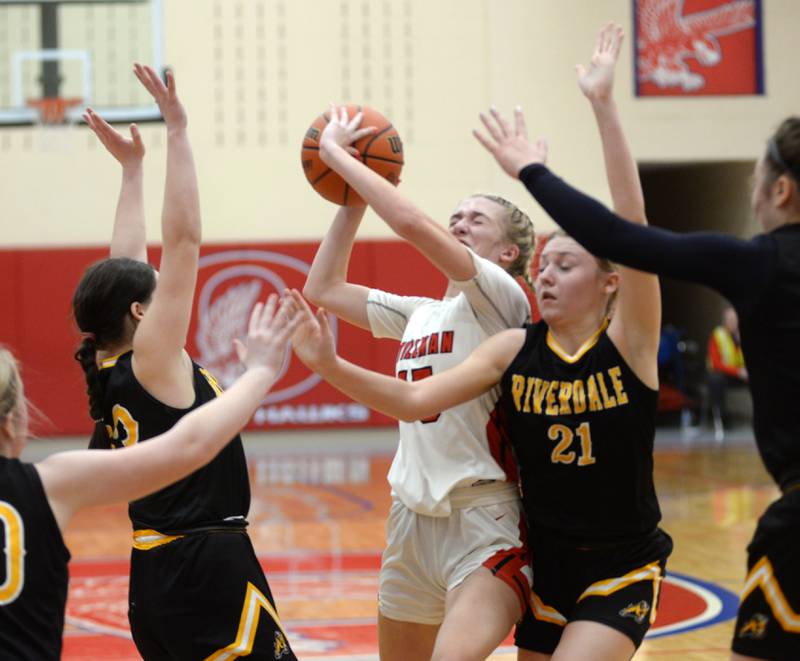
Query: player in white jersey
(455, 526)
(453, 450)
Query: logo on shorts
(755, 627)
(281, 646)
(637, 611)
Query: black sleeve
(735, 268)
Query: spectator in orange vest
(725, 367)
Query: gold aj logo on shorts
(636, 611)
(281, 646)
(755, 627)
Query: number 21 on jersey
(563, 453)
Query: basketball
(382, 152)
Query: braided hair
(101, 306)
(519, 231)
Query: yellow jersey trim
(762, 576)
(650, 572)
(254, 601)
(110, 361)
(574, 358)
(144, 540)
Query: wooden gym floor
(317, 521)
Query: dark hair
(783, 150)
(101, 306)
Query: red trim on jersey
(507, 566)
(500, 444)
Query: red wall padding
(36, 288)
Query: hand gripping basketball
(381, 150)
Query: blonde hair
(10, 384)
(519, 230)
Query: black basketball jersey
(769, 322)
(760, 277)
(216, 495)
(33, 567)
(582, 428)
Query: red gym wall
(36, 287)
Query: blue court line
(363, 503)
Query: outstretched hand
(312, 341)
(510, 145)
(164, 95)
(268, 334)
(597, 80)
(341, 131)
(128, 151)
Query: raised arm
(159, 360)
(596, 81)
(733, 267)
(73, 480)
(128, 238)
(636, 323)
(326, 284)
(400, 214)
(404, 400)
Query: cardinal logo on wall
(698, 47)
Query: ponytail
(101, 306)
(86, 355)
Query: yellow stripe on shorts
(144, 540)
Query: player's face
(570, 284)
(479, 224)
(759, 196)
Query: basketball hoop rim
(53, 111)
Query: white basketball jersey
(452, 449)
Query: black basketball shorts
(768, 623)
(618, 586)
(203, 596)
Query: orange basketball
(382, 152)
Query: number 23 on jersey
(124, 430)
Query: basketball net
(55, 127)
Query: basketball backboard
(77, 50)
